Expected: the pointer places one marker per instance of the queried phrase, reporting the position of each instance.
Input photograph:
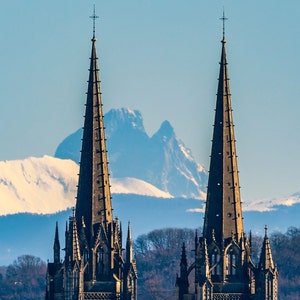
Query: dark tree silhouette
(158, 257)
(158, 254)
(24, 279)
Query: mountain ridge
(162, 160)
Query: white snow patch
(130, 111)
(129, 185)
(200, 168)
(186, 152)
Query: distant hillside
(34, 234)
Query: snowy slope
(136, 186)
(38, 185)
(47, 185)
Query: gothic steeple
(94, 266)
(223, 264)
(223, 214)
(93, 196)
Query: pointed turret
(129, 255)
(182, 282)
(266, 277)
(266, 259)
(223, 214)
(72, 247)
(93, 196)
(56, 246)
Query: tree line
(157, 256)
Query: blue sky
(160, 57)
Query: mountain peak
(123, 118)
(162, 160)
(166, 131)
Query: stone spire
(223, 214)
(93, 196)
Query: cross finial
(94, 17)
(223, 19)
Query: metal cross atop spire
(223, 19)
(94, 17)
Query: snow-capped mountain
(161, 160)
(47, 185)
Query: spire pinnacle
(224, 19)
(56, 246)
(266, 258)
(129, 253)
(94, 17)
(266, 230)
(129, 232)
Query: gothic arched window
(100, 260)
(214, 259)
(231, 259)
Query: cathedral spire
(223, 214)
(94, 265)
(223, 264)
(93, 195)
